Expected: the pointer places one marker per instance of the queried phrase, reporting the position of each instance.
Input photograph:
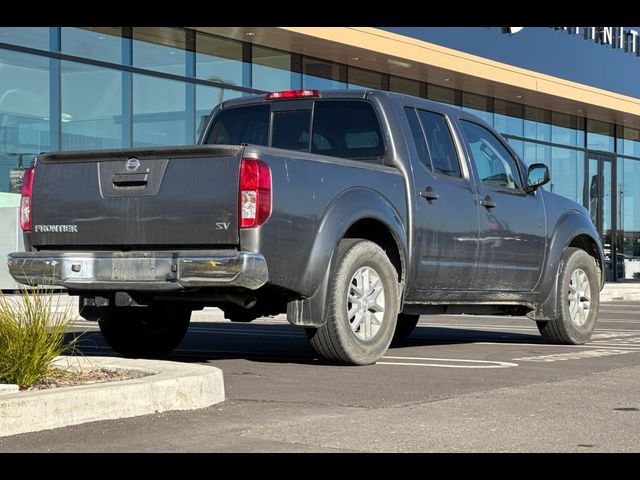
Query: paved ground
(459, 383)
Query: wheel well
(588, 244)
(379, 233)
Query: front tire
(405, 326)
(362, 306)
(579, 298)
(143, 332)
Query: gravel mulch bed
(58, 377)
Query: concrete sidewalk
(168, 386)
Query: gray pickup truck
(352, 211)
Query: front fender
(344, 211)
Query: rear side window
(241, 125)
(346, 129)
(418, 137)
(291, 130)
(443, 152)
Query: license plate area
(133, 269)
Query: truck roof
(388, 97)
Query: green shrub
(32, 334)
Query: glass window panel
(206, 100)
(537, 124)
(478, 105)
(234, 126)
(529, 153)
(98, 43)
(218, 59)
(271, 69)
(441, 94)
(567, 129)
(32, 37)
(600, 135)
(290, 129)
(91, 121)
(494, 163)
(160, 48)
(517, 145)
(321, 75)
(629, 216)
(567, 173)
(24, 117)
(418, 138)
(404, 85)
(629, 144)
(359, 78)
(508, 117)
(159, 112)
(444, 157)
(347, 129)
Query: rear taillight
(25, 201)
(289, 94)
(254, 193)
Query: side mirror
(538, 175)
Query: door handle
(429, 195)
(487, 202)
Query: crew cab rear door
(446, 213)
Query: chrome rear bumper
(140, 270)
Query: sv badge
(222, 225)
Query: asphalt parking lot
(458, 384)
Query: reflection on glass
(159, 112)
(32, 37)
(629, 218)
(507, 117)
(567, 169)
(271, 69)
(98, 43)
(404, 85)
(24, 115)
(600, 135)
(478, 105)
(600, 192)
(91, 121)
(206, 100)
(441, 94)
(629, 144)
(218, 59)
(160, 48)
(517, 145)
(537, 124)
(359, 78)
(322, 75)
(567, 129)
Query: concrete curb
(171, 386)
(626, 292)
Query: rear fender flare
(344, 211)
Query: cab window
(494, 163)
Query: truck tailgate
(132, 198)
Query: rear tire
(579, 300)
(405, 326)
(362, 306)
(143, 332)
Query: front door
(598, 199)
(512, 230)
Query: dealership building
(568, 97)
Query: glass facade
(64, 88)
